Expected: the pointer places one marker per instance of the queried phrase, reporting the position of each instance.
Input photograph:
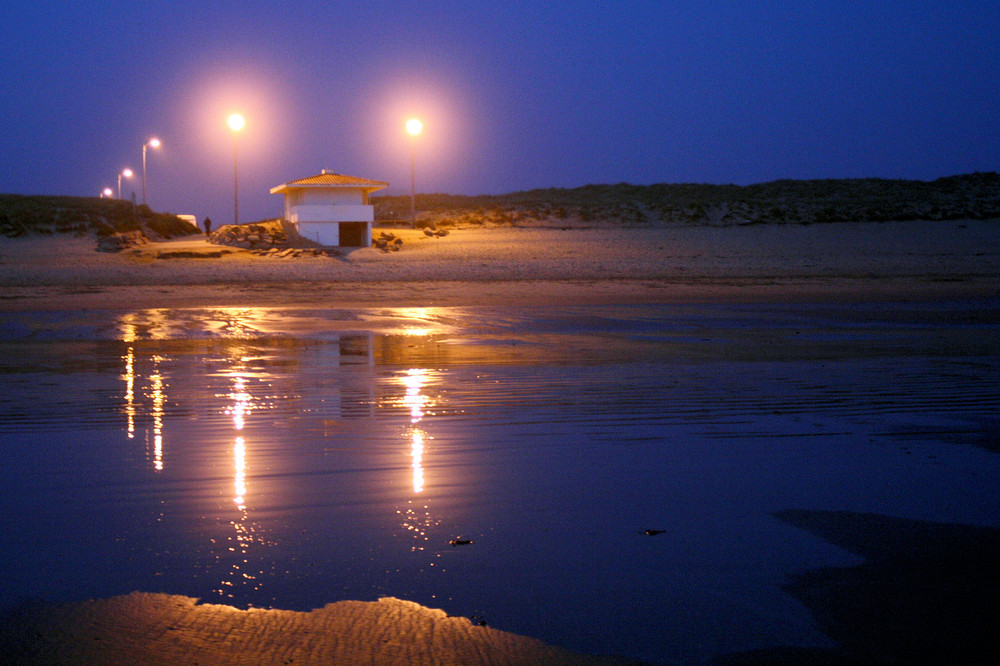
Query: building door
(354, 234)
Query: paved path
(187, 246)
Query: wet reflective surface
(291, 458)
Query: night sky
(513, 95)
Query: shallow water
(291, 458)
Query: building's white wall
(303, 213)
(335, 196)
(324, 233)
(318, 212)
(328, 233)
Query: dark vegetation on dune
(973, 196)
(46, 215)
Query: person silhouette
(208, 225)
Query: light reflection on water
(260, 459)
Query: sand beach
(508, 269)
(522, 265)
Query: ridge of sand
(146, 628)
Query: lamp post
(128, 174)
(414, 127)
(154, 143)
(236, 123)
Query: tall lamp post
(414, 127)
(152, 143)
(236, 123)
(128, 174)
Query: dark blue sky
(513, 95)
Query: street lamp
(106, 193)
(236, 123)
(154, 143)
(128, 174)
(414, 127)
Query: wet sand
(504, 266)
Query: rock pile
(388, 242)
(250, 236)
(266, 239)
(121, 241)
(434, 232)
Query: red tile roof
(327, 179)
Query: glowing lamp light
(414, 127)
(236, 123)
(152, 143)
(106, 193)
(127, 173)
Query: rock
(121, 241)
(259, 237)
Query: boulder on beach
(121, 241)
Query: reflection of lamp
(237, 411)
(240, 463)
(159, 399)
(417, 518)
(242, 574)
(129, 337)
(130, 391)
(414, 381)
(417, 453)
(414, 127)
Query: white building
(331, 209)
